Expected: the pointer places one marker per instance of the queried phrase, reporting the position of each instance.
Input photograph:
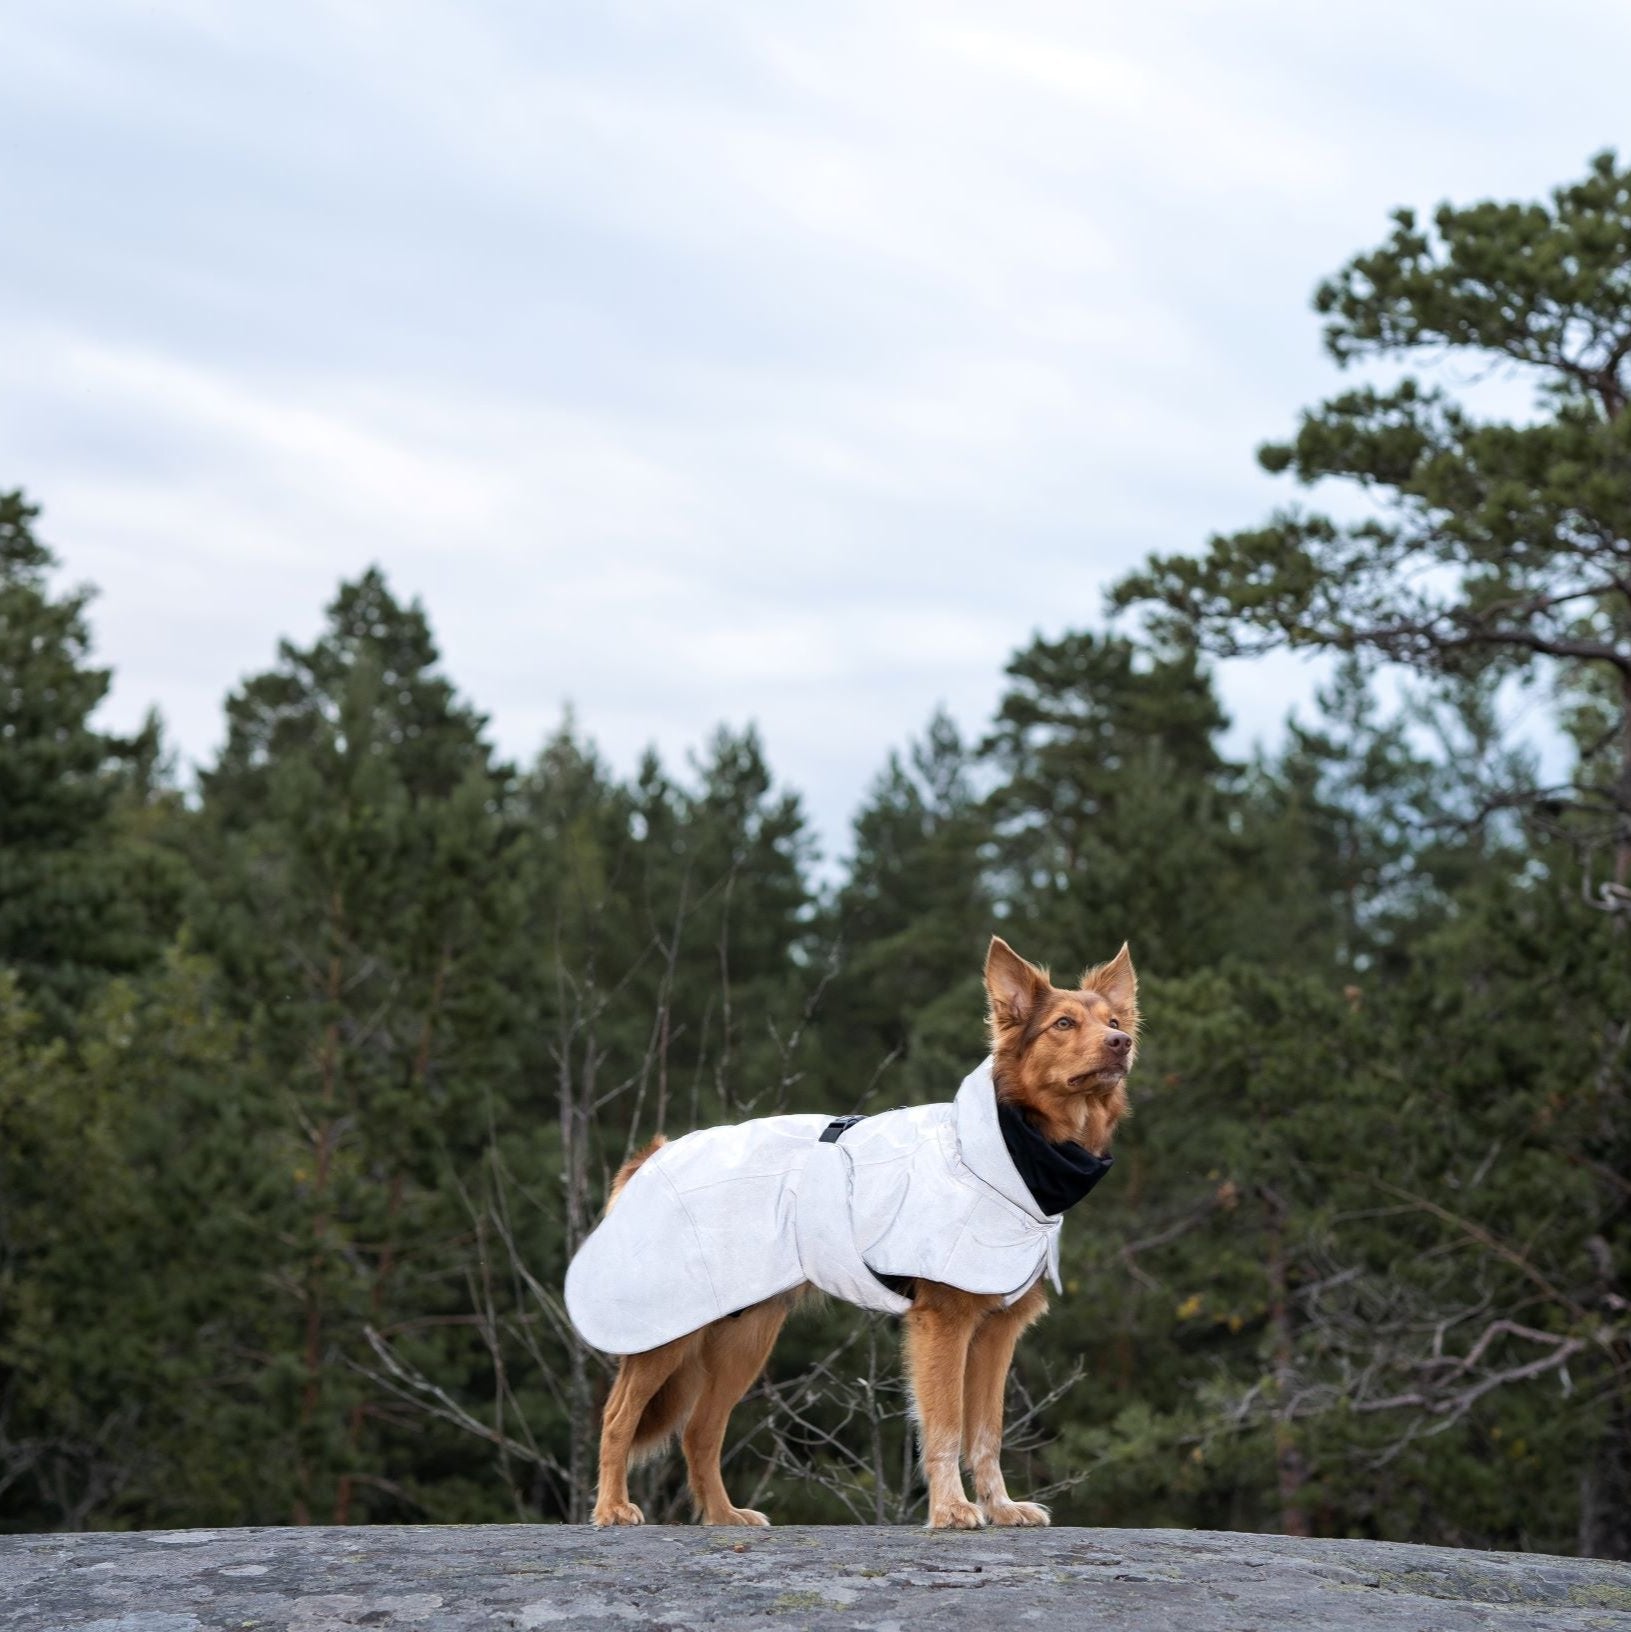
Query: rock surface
(502, 1577)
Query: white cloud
(706, 362)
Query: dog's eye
(1063, 1023)
(1115, 1024)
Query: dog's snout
(1118, 1040)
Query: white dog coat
(727, 1217)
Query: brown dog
(1061, 1058)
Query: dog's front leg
(990, 1355)
(939, 1325)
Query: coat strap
(825, 1233)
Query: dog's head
(1062, 1057)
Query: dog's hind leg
(989, 1356)
(734, 1352)
(640, 1379)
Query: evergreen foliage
(79, 898)
(1489, 548)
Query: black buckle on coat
(837, 1128)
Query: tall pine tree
(79, 898)
(356, 843)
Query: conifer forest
(314, 1066)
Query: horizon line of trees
(311, 1077)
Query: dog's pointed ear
(1116, 982)
(1014, 986)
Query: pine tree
(1112, 803)
(913, 918)
(78, 901)
(1488, 545)
(355, 837)
(665, 984)
(1488, 549)
(133, 1275)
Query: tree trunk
(322, 1156)
(418, 1077)
(1291, 1469)
(1622, 790)
(1605, 1489)
(576, 1101)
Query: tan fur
(1069, 1080)
(633, 1166)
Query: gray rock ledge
(506, 1578)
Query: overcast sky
(791, 362)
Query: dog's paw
(739, 1515)
(958, 1515)
(1021, 1513)
(608, 1513)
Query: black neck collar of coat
(1058, 1176)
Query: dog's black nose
(1118, 1039)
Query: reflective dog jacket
(724, 1218)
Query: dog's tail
(633, 1166)
(668, 1410)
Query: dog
(1051, 1096)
